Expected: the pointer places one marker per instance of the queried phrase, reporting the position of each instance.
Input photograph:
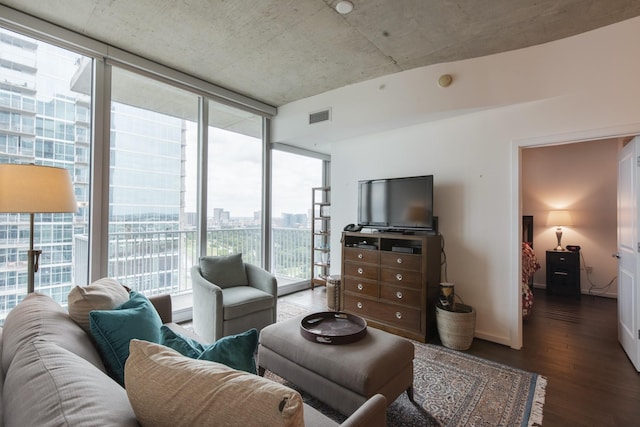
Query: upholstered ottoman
(343, 376)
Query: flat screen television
(396, 203)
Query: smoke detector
(344, 7)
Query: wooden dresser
(392, 280)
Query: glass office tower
(45, 118)
(43, 122)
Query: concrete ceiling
(279, 51)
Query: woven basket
(456, 328)
(333, 293)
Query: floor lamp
(32, 189)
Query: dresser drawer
(397, 277)
(410, 297)
(392, 314)
(359, 270)
(361, 255)
(361, 286)
(401, 260)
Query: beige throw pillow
(168, 389)
(103, 294)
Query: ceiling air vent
(320, 116)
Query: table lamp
(559, 218)
(28, 188)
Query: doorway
(544, 235)
(580, 178)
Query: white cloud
(235, 177)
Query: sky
(235, 176)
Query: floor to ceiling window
(234, 196)
(150, 219)
(294, 176)
(153, 149)
(44, 119)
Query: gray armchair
(230, 297)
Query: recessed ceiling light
(344, 7)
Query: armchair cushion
(242, 300)
(224, 271)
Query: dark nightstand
(563, 273)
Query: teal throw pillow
(224, 271)
(112, 330)
(235, 351)
(183, 345)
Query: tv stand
(392, 280)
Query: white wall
(581, 87)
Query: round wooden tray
(331, 327)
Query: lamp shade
(26, 188)
(559, 218)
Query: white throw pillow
(168, 389)
(103, 294)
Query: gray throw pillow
(224, 271)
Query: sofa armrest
(162, 304)
(373, 413)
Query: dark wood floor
(574, 344)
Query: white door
(628, 250)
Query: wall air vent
(320, 116)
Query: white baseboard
(582, 291)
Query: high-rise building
(45, 118)
(47, 126)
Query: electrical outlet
(589, 270)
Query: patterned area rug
(454, 389)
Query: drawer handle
(398, 315)
(359, 304)
(399, 295)
(360, 287)
(399, 260)
(560, 273)
(360, 270)
(399, 276)
(360, 256)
